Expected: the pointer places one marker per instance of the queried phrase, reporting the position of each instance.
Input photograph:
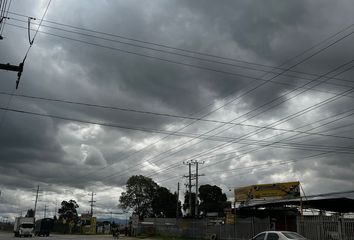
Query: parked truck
(43, 227)
(24, 226)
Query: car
(278, 235)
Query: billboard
(243, 194)
(287, 190)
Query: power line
(19, 68)
(2, 13)
(172, 61)
(294, 137)
(213, 150)
(267, 166)
(4, 18)
(344, 93)
(295, 114)
(224, 145)
(255, 132)
(222, 139)
(163, 114)
(321, 50)
(187, 50)
(202, 59)
(258, 149)
(31, 42)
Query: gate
(326, 227)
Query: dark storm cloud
(84, 157)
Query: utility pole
(92, 204)
(195, 177)
(35, 203)
(56, 208)
(177, 210)
(189, 185)
(45, 211)
(196, 185)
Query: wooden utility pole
(92, 204)
(191, 177)
(45, 211)
(177, 210)
(190, 187)
(197, 175)
(35, 203)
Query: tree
(212, 199)
(164, 203)
(68, 212)
(139, 195)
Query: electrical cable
(213, 149)
(328, 46)
(192, 51)
(255, 132)
(318, 51)
(258, 149)
(2, 12)
(198, 58)
(347, 114)
(163, 114)
(171, 61)
(227, 139)
(267, 167)
(31, 43)
(171, 166)
(5, 17)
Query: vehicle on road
(278, 235)
(23, 226)
(43, 227)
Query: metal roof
(334, 204)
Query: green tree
(67, 212)
(139, 195)
(164, 203)
(212, 199)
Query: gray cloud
(70, 159)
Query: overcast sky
(274, 77)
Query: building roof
(334, 204)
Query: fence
(244, 228)
(326, 227)
(312, 227)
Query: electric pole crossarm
(10, 67)
(18, 69)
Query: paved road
(5, 236)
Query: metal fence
(244, 228)
(312, 227)
(326, 227)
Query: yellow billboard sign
(243, 194)
(285, 190)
